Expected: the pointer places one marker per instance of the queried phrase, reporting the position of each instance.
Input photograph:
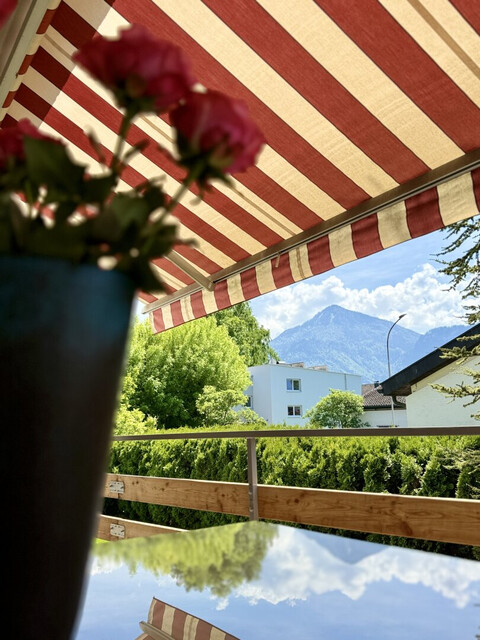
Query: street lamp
(388, 361)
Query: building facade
(427, 407)
(282, 393)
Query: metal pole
(388, 363)
(252, 479)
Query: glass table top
(256, 580)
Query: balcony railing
(440, 519)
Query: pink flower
(152, 74)
(6, 8)
(216, 125)
(11, 141)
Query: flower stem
(122, 136)
(190, 178)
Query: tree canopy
(166, 374)
(464, 273)
(252, 339)
(464, 269)
(216, 558)
(340, 410)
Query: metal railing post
(252, 479)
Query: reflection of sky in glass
(311, 586)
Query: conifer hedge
(447, 466)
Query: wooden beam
(201, 495)
(131, 528)
(440, 519)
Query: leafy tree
(249, 416)
(252, 339)
(340, 409)
(219, 559)
(464, 271)
(172, 369)
(216, 406)
(132, 422)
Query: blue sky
(401, 279)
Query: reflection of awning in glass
(169, 623)
(371, 112)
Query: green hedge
(447, 466)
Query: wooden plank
(201, 495)
(131, 528)
(440, 519)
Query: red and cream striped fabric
(371, 110)
(165, 621)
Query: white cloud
(423, 296)
(297, 566)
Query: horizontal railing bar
(429, 518)
(128, 529)
(199, 495)
(309, 433)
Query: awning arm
(190, 270)
(16, 40)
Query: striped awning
(371, 110)
(166, 622)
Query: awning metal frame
(433, 178)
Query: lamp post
(388, 361)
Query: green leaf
(49, 164)
(142, 273)
(154, 197)
(129, 210)
(64, 211)
(60, 241)
(97, 189)
(104, 227)
(158, 242)
(14, 227)
(136, 148)
(13, 178)
(7, 241)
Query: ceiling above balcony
(371, 111)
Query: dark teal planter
(63, 330)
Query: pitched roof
(373, 399)
(401, 383)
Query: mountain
(354, 342)
(429, 342)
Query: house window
(294, 410)
(249, 402)
(293, 384)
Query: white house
(282, 392)
(427, 407)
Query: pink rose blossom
(215, 124)
(6, 8)
(139, 68)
